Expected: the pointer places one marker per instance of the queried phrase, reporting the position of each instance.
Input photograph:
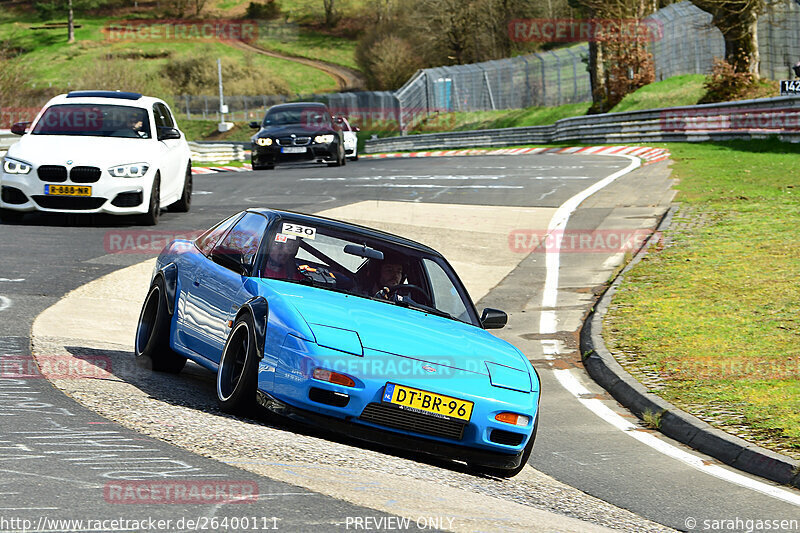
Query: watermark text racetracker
(180, 492)
(198, 30)
(583, 30)
(579, 241)
(148, 523)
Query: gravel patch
(182, 410)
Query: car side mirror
(255, 125)
(165, 133)
(493, 318)
(20, 128)
(356, 129)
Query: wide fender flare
(169, 273)
(259, 310)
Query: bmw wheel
(237, 374)
(185, 203)
(154, 208)
(151, 347)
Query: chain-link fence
(367, 106)
(545, 79)
(690, 42)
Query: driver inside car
(281, 260)
(389, 275)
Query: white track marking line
(5, 303)
(548, 323)
(568, 380)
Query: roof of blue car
(347, 226)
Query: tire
(185, 203)
(509, 473)
(154, 210)
(238, 369)
(151, 345)
(7, 215)
(341, 159)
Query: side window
(240, 245)
(158, 116)
(445, 294)
(206, 242)
(168, 120)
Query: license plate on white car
(67, 190)
(293, 150)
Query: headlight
(12, 166)
(323, 139)
(132, 170)
(264, 141)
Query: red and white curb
(645, 153)
(213, 170)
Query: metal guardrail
(744, 119)
(219, 152)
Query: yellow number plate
(428, 402)
(67, 190)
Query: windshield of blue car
(407, 277)
(94, 120)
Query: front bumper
(396, 440)
(270, 155)
(117, 196)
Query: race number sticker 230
(428, 402)
(298, 230)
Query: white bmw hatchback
(98, 152)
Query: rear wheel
(185, 203)
(151, 346)
(237, 374)
(154, 207)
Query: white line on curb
(549, 323)
(570, 382)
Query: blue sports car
(345, 327)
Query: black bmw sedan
(302, 131)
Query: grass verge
(715, 312)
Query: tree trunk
(70, 25)
(597, 78)
(741, 49)
(737, 20)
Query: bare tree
(332, 14)
(737, 20)
(70, 24)
(619, 62)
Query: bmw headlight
(12, 166)
(323, 139)
(264, 141)
(132, 170)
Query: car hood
(297, 129)
(102, 152)
(336, 318)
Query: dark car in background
(302, 131)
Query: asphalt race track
(58, 457)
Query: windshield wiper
(422, 307)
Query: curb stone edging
(675, 423)
(645, 153)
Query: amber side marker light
(513, 419)
(333, 377)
